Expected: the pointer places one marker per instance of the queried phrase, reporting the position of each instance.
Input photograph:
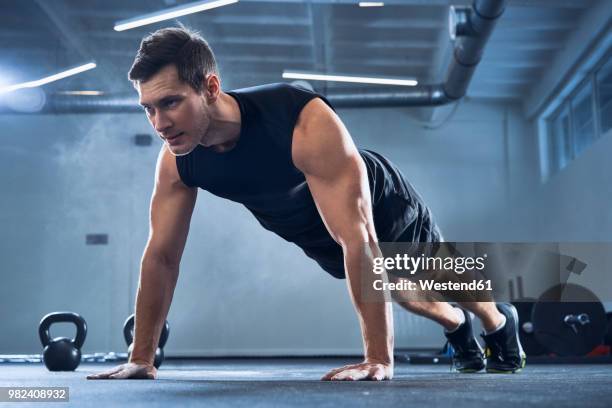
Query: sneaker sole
(513, 371)
(494, 371)
(470, 370)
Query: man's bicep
(336, 175)
(321, 143)
(343, 203)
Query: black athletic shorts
(420, 227)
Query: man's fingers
(327, 377)
(125, 371)
(120, 375)
(357, 372)
(330, 374)
(136, 373)
(335, 371)
(104, 374)
(354, 374)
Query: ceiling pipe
(424, 95)
(469, 27)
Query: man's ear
(212, 87)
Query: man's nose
(162, 122)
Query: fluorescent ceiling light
(345, 78)
(85, 93)
(371, 4)
(170, 13)
(50, 78)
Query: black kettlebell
(62, 353)
(128, 335)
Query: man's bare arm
(171, 208)
(172, 205)
(336, 175)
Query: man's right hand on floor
(125, 371)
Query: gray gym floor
(294, 382)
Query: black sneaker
(503, 350)
(467, 353)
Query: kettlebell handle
(61, 317)
(128, 332)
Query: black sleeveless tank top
(259, 173)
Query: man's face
(178, 113)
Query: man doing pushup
(283, 153)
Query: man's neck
(225, 123)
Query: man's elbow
(357, 239)
(156, 258)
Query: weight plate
(608, 336)
(549, 320)
(530, 344)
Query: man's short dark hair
(179, 46)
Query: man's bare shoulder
(167, 172)
(320, 139)
(313, 115)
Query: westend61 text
(404, 284)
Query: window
(582, 118)
(560, 136)
(604, 88)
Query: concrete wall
(575, 205)
(242, 290)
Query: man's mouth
(174, 140)
(174, 137)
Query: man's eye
(147, 109)
(171, 103)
